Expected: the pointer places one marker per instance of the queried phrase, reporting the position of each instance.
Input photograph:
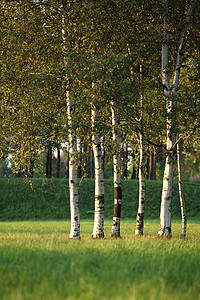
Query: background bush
(42, 199)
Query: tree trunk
(88, 162)
(148, 167)
(181, 197)
(125, 160)
(115, 231)
(133, 176)
(171, 104)
(67, 166)
(49, 163)
(165, 210)
(73, 186)
(79, 170)
(153, 165)
(58, 162)
(98, 230)
(92, 164)
(140, 214)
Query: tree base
(98, 236)
(183, 235)
(138, 232)
(165, 232)
(114, 234)
(75, 235)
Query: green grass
(38, 261)
(49, 199)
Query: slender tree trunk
(171, 104)
(154, 164)
(151, 165)
(181, 197)
(140, 214)
(88, 162)
(79, 170)
(73, 186)
(67, 166)
(137, 175)
(98, 230)
(92, 164)
(125, 160)
(148, 167)
(133, 176)
(58, 162)
(49, 163)
(165, 210)
(115, 231)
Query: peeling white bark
(181, 48)
(171, 101)
(140, 213)
(73, 187)
(115, 231)
(165, 51)
(165, 210)
(141, 206)
(98, 229)
(181, 197)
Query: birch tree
(140, 214)
(170, 93)
(115, 231)
(73, 185)
(98, 229)
(180, 186)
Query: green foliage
(108, 42)
(23, 199)
(38, 261)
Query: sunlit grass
(38, 261)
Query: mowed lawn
(38, 261)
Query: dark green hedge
(49, 199)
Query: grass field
(38, 261)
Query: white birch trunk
(141, 206)
(170, 93)
(115, 231)
(181, 48)
(165, 209)
(181, 197)
(98, 230)
(140, 214)
(73, 187)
